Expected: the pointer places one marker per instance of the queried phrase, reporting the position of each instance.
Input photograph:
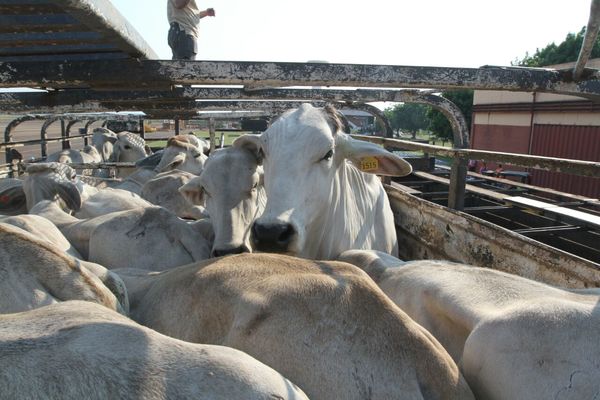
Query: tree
(567, 51)
(408, 116)
(438, 123)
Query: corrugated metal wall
(563, 141)
(507, 138)
(567, 141)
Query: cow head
(183, 152)
(103, 140)
(306, 161)
(230, 186)
(129, 147)
(52, 181)
(163, 190)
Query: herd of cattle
(266, 270)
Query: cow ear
(116, 153)
(176, 161)
(193, 191)
(371, 158)
(69, 193)
(261, 175)
(252, 143)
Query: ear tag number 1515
(368, 164)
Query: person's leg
(188, 47)
(172, 39)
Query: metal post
(211, 131)
(64, 133)
(43, 137)
(591, 32)
(177, 126)
(87, 127)
(458, 181)
(222, 140)
(142, 129)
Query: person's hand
(210, 12)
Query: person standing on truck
(184, 19)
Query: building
(541, 124)
(360, 122)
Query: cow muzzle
(273, 237)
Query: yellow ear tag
(368, 164)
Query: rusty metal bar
(34, 141)
(150, 74)
(577, 167)
(591, 33)
(211, 131)
(64, 133)
(8, 133)
(80, 100)
(233, 115)
(142, 129)
(102, 165)
(44, 135)
(102, 16)
(87, 129)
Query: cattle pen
(88, 64)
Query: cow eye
(127, 147)
(328, 155)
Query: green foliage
(438, 123)
(409, 117)
(567, 51)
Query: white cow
(230, 187)
(106, 146)
(151, 238)
(515, 338)
(320, 201)
(12, 197)
(49, 181)
(129, 147)
(163, 190)
(103, 140)
(325, 325)
(79, 350)
(42, 228)
(34, 273)
(183, 152)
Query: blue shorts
(182, 44)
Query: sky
(451, 33)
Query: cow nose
(230, 250)
(272, 237)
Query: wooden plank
(580, 217)
(470, 188)
(431, 231)
(406, 189)
(571, 196)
